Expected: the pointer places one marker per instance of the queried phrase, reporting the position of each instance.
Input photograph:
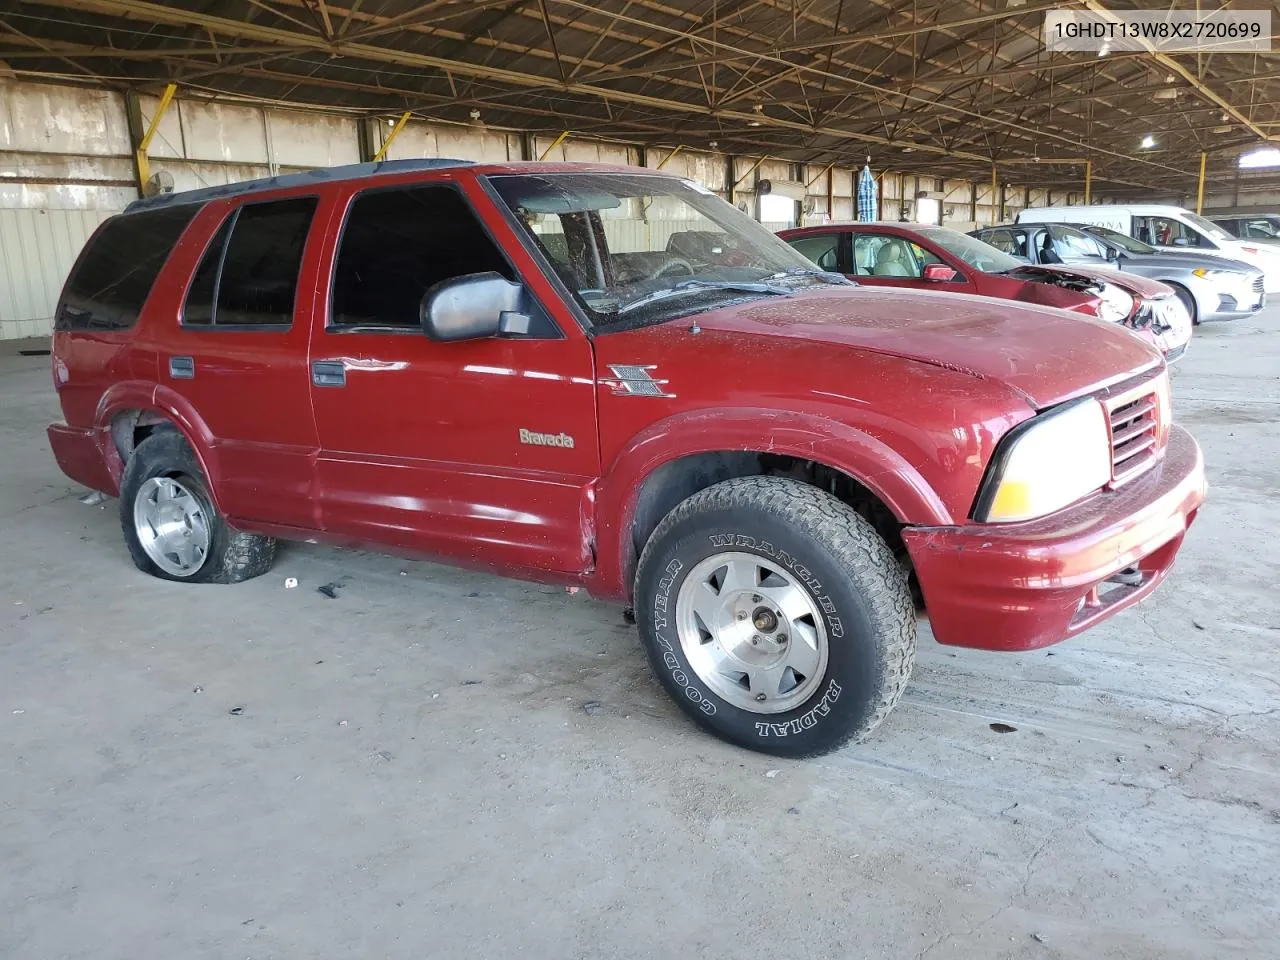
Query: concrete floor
(437, 764)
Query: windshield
(1119, 239)
(977, 254)
(1210, 228)
(650, 247)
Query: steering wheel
(674, 267)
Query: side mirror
(939, 273)
(1112, 253)
(473, 307)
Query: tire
(163, 490)
(1189, 302)
(726, 563)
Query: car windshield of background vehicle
(1122, 240)
(977, 254)
(642, 248)
(1267, 228)
(1208, 226)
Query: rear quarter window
(110, 282)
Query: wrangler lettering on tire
(775, 616)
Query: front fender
(760, 430)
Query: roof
(352, 171)
(949, 86)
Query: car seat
(1047, 253)
(890, 260)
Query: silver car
(1211, 289)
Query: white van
(1167, 227)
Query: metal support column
(395, 132)
(1200, 186)
(142, 138)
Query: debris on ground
(1038, 937)
(794, 811)
(1003, 727)
(197, 689)
(290, 582)
(771, 773)
(236, 711)
(592, 707)
(330, 590)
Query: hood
(1045, 355)
(1183, 261)
(1137, 285)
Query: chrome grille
(1257, 285)
(1135, 432)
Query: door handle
(328, 373)
(182, 368)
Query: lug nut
(742, 614)
(755, 641)
(782, 638)
(760, 696)
(755, 598)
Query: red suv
(609, 377)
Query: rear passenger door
(239, 357)
(483, 451)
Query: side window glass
(248, 275)
(113, 278)
(820, 249)
(1002, 240)
(198, 308)
(397, 243)
(260, 267)
(923, 256)
(880, 256)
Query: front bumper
(1028, 585)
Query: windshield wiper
(694, 286)
(826, 276)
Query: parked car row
(923, 256)
(1209, 289)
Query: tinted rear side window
(249, 273)
(110, 283)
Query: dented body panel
(530, 456)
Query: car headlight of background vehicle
(1116, 304)
(1047, 463)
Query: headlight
(1116, 304)
(1213, 274)
(1046, 463)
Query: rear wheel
(776, 616)
(171, 526)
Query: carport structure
(962, 88)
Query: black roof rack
(351, 171)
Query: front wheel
(776, 616)
(1189, 302)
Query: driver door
(888, 260)
(482, 451)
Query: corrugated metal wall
(39, 248)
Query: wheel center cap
(764, 619)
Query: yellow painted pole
(668, 157)
(144, 166)
(1200, 189)
(1088, 182)
(395, 132)
(564, 135)
(995, 202)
